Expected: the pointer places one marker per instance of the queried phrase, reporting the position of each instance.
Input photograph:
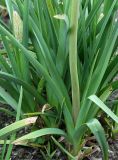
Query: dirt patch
(29, 153)
(113, 154)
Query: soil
(113, 154)
(22, 152)
(29, 153)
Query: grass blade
(99, 133)
(6, 96)
(39, 133)
(99, 103)
(17, 125)
(9, 150)
(73, 58)
(96, 128)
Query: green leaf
(10, 147)
(17, 125)
(25, 85)
(73, 58)
(10, 9)
(63, 149)
(108, 111)
(7, 97)
(98, 132)
(39, 133)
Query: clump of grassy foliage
(63, 54)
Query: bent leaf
(99, 103)
(39, 133)
(96, 128)
(17, 125)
